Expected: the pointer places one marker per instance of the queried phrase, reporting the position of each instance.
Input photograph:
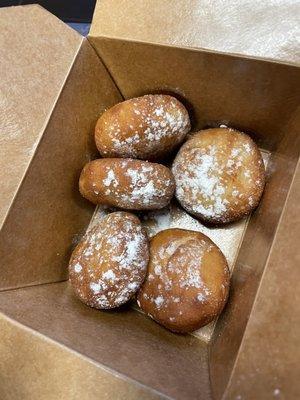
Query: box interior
(258, 97)
(255, 96)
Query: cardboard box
(55, 85)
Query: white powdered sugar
(77, 268)
(110, 179)
(146, 185)
(132, 247)
(200, 178)
(247, 147)
(179, 274)
(159, 111)
(96, 287)
(156, 221)
(192, 259)
(155, 117)
(170, 249)
(143, 184)
(159, 300)
(145, 192)
(201, 297)
(127, 143)
(117, 242)
(133, 286)
(157, 269)
(136, 176)
(110, 275)
(205, 178)
(235, 152)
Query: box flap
(55, 88)
(257, 28)
(36, 53)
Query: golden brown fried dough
(127, 184)
(219, 175)
(187, 282)
(109, 264)
(146, 127)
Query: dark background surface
(77, 13)
(67, 10)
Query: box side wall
(267, 365)
(125, 341)
(256, 96)
(33, 367)
(48, 212)
(253, 266)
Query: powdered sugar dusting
(200, 297)
(200, 178)
(175, 217)
(276, 392)
(159, 300)
(77, 268)
(129, 184)
(192, 276)
(110, 275)
(156, 221)
(228, 239)
(187, 254)
(146, 185)
(155, 118)
(110, 179)
(207, 179)
(96, 287)
(113, 258)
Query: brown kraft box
(54, 85)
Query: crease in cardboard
(106, 68)
(38, 141)
(204, 50)
(20, 99)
